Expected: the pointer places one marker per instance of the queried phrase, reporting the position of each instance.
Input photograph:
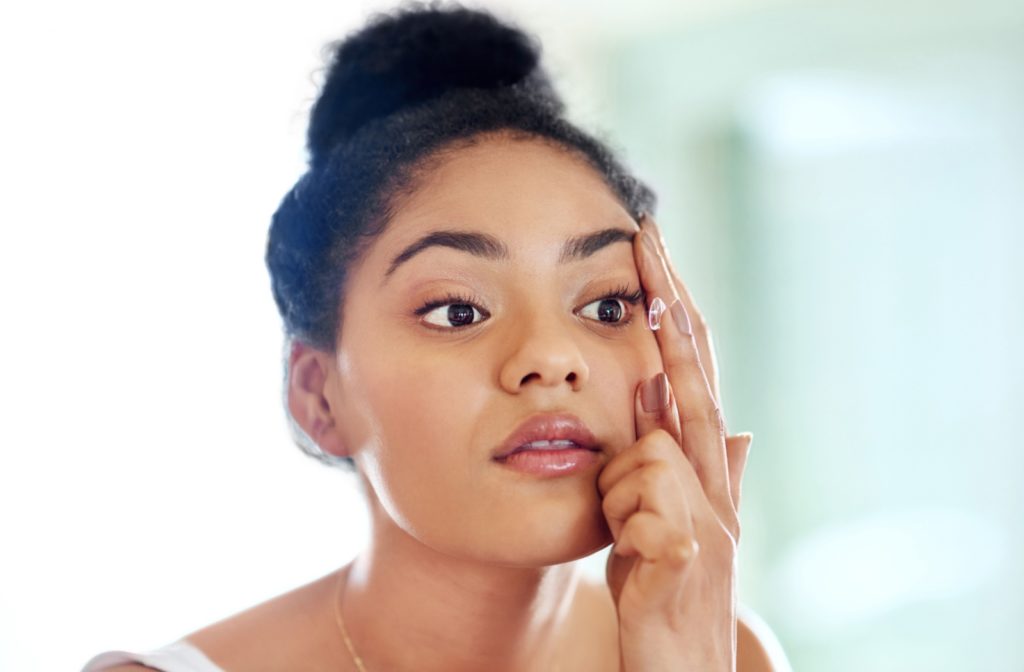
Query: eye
(614, 309)
(608, 309)
(456, 315)
(451, 312)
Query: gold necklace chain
(341, 622)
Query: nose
(543, 352)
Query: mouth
(548, 445)
(548, 434)
(548, 463)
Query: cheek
(621, 366)
(422, 405)
(424, 400)
(649, 353)
(616, 369)
(427, 464)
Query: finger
(653, 408)
(654, 487)
(705, 344)
(651, 537)
(702, 425)
(738, 450)
(659, 449)
(668, 553)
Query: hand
(672, 499)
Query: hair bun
(411, 56)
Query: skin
(672, 502)
(423, 422)
(469, 565)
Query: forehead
(522, 191)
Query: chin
(544, 538)
(530, 523)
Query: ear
(309, 382)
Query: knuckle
(680, 553)
(609, 505)
(663, 451)
(651, 446)
(709, 415)
(692, 413)
(654, 473)
(716, 420)
(683, 357)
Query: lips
(548, 432)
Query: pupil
(609, 308)
(460, 314)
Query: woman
(484, 325)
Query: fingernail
(655, 312)
(648, 242)
(654, 393)
(680, 317)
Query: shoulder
(757, 647)
(289, 627)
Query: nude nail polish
(649, 244)
(680, 317)
(654, 393)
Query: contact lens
(655, 312)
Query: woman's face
(424, 392)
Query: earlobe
(309, 403)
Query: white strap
(180, 656)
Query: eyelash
(622, 292)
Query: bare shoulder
(267, 636)
(128, 668)
(757, 647)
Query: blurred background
(841, 187)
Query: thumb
(656, 409)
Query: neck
(407, 606)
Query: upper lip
(547, 427)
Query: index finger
(703, 430)
(701, 332)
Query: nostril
(527, 378)
(571, 377)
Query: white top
(180, 656)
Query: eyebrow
(488, 247)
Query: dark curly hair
(407, 89)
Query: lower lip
(551, 462)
